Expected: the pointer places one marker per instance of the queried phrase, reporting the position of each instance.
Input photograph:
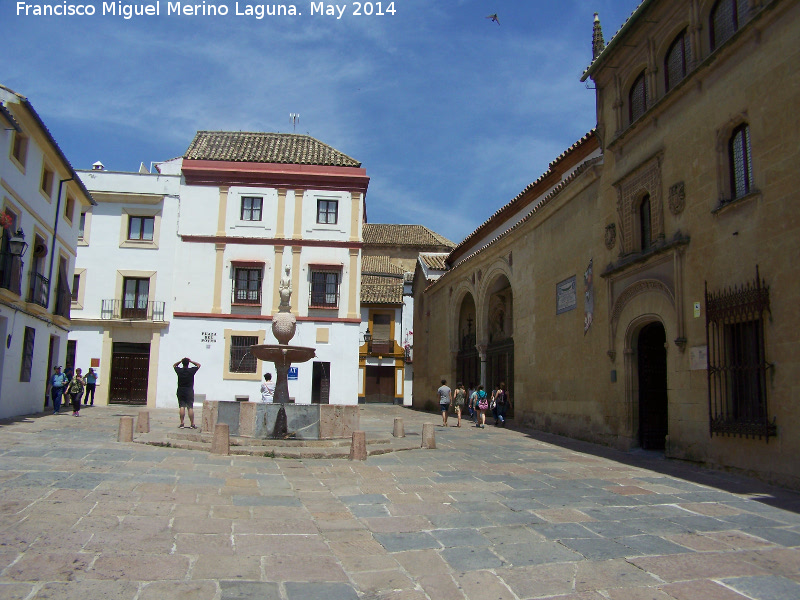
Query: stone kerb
(304, 421)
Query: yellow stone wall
(564, 379)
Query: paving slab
(489, 514)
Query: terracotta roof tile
(282, 148)
(379, 264)
(381, 290)
(434, 261)
(403, 235)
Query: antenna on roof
(294, 118)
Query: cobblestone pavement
(491, 514)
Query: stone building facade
(648, 299)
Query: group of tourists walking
(75, 386)
(477, 402)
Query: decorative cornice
(227, 239)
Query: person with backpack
(75, 389)
(483, 406)
(500, 405)
(458, 401)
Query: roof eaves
(74, 175)
(483, 226)
(546, 200)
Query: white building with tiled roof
(245, 207)
(41, 198)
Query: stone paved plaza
(492, 514)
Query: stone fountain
(282, 419)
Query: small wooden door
(379, 388)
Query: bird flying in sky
(494, 18)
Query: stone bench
(304, 421)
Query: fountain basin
(279, 353)
(304, 421)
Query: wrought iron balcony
(39, 290)
(11, 273)
(133, 310)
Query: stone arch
(639, 309)
(496, 281)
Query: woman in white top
(267, 388)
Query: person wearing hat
(57, 383)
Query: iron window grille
(737, 366)
(637, 98)
(741, 165)
(39, 290)
(677, 61)
(27, 355)
(727, 17)
(247, 286)
(324, 289)
(251, 208)
(241, 361)
(141, 228)
(328, 211)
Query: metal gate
(130, 369)
(653, 415)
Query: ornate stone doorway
(653, 400)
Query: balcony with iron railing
(39, 290)
(132, 310)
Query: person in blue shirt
(57, 384)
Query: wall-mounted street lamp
(367, 336)
(17, 244)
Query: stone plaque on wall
(698, 358)
(566, 296)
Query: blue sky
(451, 114)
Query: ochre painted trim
(296, 252)
(222, 210)
(355, 273)
(218, 266)
(227, 239)
(276, 278)
(297, 232)
(355, 217)
(281, 217)
(226, 373)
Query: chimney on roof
(98, 166)
(598, 43)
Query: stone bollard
(125, 433)
(358, 447)
(221, 443)
(399, 430)
(428, 436)
(143, 422)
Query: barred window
(637, 98)
(737, 382)
(251, 208)
(645, 227)
(241, 360)
(324, 289)
(327, 211)
(727, 17)
(741, 166)
(247, 286)
(27, 355)
(678, 58)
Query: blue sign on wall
(293, 373)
